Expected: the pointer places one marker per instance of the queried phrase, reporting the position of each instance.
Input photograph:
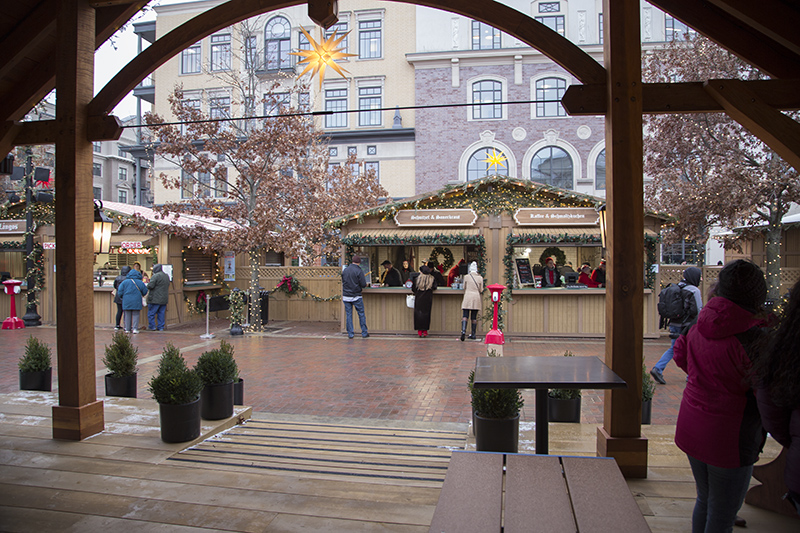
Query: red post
(495, 336)
(13, 322)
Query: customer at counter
(599, 274)
(551, 277)
(117, 297)
(423, 287)
(390, 277)
(437, 275)
(586, 277)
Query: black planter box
(564, 410)
(647, 411)
(40, 380)
(496, 434)
(179, 423)
(216, 401)
(238, 392)
(124, 386)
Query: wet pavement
(309, 368)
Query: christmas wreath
(448, 258)
(555, 252)
(288, 284)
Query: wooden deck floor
(275, 473)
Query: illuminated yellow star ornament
(494, 159)
(322, 55)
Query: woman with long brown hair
(423, 287)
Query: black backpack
(675, 304)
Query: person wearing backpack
(690, 302)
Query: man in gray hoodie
(157, 296)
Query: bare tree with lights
(270, 176)
(707, 169)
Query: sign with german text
(435, 217)
(556, 216)
(12, 227)
(49, 245)
(127, 245)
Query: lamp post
(31, 317)
(495, 336)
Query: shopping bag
(410, 301)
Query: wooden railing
(674, 273)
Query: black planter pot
(39, 380)
(179, 423)
(216, 401)
(238, 392)
(564, 410)
(647, 411)
(236, 329)
(124, 386)
(496, 434)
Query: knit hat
(743, 283)
(692, 276)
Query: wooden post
(620, 437)
(78, 414)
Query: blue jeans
(362, 318)
(667, 357)
(154, 310)
(720, 494)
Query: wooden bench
(486, 491)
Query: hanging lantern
(102, 229)
(602, 213)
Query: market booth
(508, 227)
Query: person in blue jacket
(131, 291)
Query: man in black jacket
(353, 280)
(390, 276)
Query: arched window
(479, 166)
(600, 171)
(552, 166)
(277, 39)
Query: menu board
(524, 270)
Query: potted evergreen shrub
(564, 405)
(120, 360)
(495, 417)
(217, 369)
(35, 370)
(176, 388)
(648, 388)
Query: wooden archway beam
(25, 35)
(778, 131)
(507, 19)
(777, 20)
(721, 26)
(689, 97)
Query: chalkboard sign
(524, 270)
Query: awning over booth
(413, 232)
(412, 236)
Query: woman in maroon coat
(719, 427)
(779, 395)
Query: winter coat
(158, 288)
(783, 423)
(556, 282)
(473, 287)
(131, 291)
(587, 280)
(718, 421)
(353, 280)
(423, 302)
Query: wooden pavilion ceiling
(763, 33)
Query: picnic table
(491, 492)
(543, 373)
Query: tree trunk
(253, 292)
(772, 251)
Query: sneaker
(365, 335)
(658, 376)
(350, 336)
(117, 327)
(135, 331)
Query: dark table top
(545, 372)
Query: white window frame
(122, 174)
(120, 194)
(378, 15)
(377, 82)
(591, 165)
(287, 38)
(336, 86)
(544, 75)
(186, 58)
(221, 53)
(503, 98)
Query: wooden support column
(78, 414)
(620, 437)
